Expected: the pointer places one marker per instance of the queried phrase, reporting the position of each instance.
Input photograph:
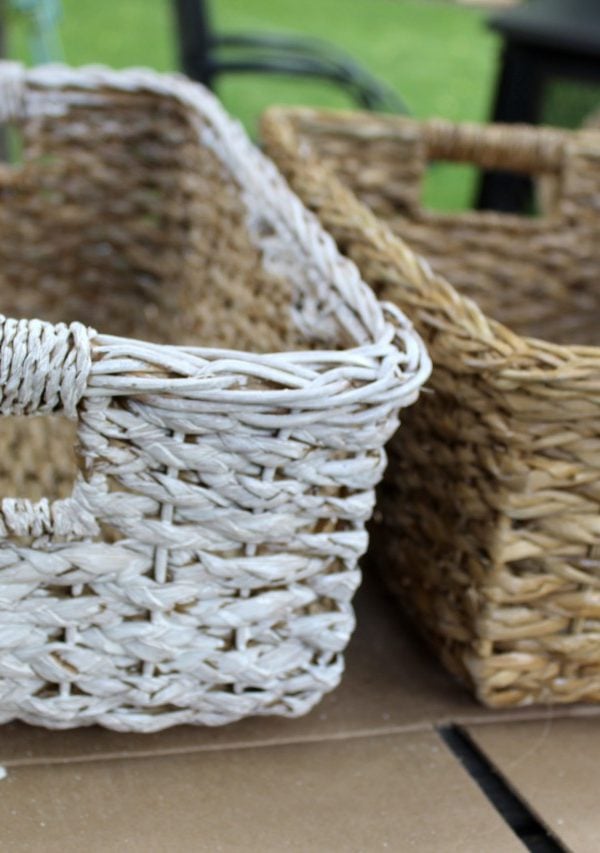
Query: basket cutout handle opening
(44, 369)
(395, 163)
(454, 156)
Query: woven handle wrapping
(508, 147)
(43, 367)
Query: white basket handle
(44, 367)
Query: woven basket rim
(515, 352)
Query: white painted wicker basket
(198, 564)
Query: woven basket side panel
(488, 511)
(232, 566)
(494, 548)
(434, 532)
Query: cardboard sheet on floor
(390, 792)
(554, 766)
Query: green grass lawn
(437, 55)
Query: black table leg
(518, 99)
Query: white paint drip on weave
(189, 553)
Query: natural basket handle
(519, 148)
(44, 367)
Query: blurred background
(440, 58)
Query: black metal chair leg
(205, 55)
(195, 40)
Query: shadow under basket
(488, 521)
(181, 523)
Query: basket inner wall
(537, 275)
(118, 217)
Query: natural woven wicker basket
(490, 522)
(197, 563)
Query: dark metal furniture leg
(3, 137)
(195, 40)
(518, 99)
(205, 55)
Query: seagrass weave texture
(195, 559)
(488, 517)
